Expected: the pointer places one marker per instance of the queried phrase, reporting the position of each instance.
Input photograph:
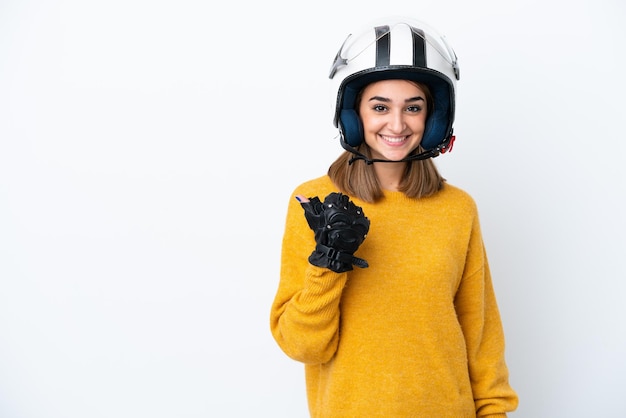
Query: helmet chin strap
(432, 153)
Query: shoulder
(320, 186)
(455, 198)
(455, 192)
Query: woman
(385, 292)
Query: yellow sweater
(416, 334)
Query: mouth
(394, 140)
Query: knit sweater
(416, 334)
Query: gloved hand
(340, 228)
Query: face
(393, 113)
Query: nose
(396, 121)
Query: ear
(351, 127)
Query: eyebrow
(387, 100)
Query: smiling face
(393, 113)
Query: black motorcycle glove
(340, 228)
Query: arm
(304, 317)
(479, 317)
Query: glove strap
(359, 262)
(341, 257)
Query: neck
(390, 174)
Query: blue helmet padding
(438, 124)
(351, 127)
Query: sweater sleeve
(304, 317)
(478, 314)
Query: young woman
(385, 292)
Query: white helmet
(397, 48)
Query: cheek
(419, 122)
(371, 123)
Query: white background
(148, 150)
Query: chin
(394, 157)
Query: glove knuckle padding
(340, 228)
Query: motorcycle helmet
(395, 48)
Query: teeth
(394, 139)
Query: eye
(414, 109)
(379, 108)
